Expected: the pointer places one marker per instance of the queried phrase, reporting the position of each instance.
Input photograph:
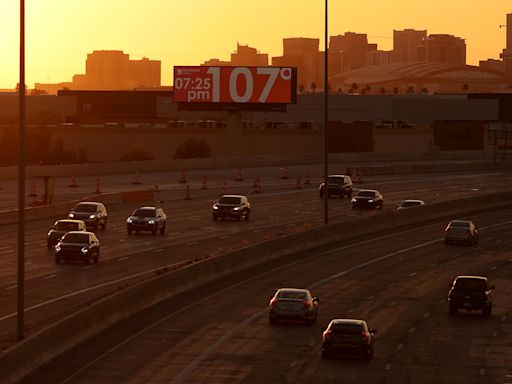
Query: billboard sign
(234, 85)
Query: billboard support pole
(326, 119)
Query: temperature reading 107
(234, 84)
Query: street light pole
(326, 119)
(21, 182)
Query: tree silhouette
(301, 88)
(354, 87)
(382, 90)
(396, 91)
(313, 86)
(465, 88)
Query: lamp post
(326, 119)
(21, 182)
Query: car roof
(70, 221)
(460, 221)
(293, 289)
(471, 277)
(336, 175)
(80, 232)
(414, 200)
(232, 196)
(369, 190)
(347, 321)
(146, 208)
(90, 202)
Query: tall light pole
(326, 119)
(21, 182)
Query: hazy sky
(60, 33)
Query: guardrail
(47, 344)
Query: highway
(398, 282)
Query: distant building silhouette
(406, 43)
(249, 57)
(493, 64)
(506, 55)
(353, 47)
(112, 70)
(443, 48)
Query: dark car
(368, 198)
(293, 304)
(147, 219)
(231, 207)
(472, 293)
(410, 203)
(78, 246)
(60, 228)
(461, 231)
(347, 336)
(340, 185)
(91, 213)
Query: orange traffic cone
(183, 178)
(97, 186)
(224, 188)
(73, 183)
(157, 187)
(136, 181)
(257, 184)
(187, 193)
(33, 189)
(238, 176)
(284, 172)
(203, 183)
(298, 184)
(307, 178)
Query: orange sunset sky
(60, 33)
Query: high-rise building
(353, 47)
(247, 56)
(406, 43)
(506, 55)
(443, 48)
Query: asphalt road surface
(398, 282)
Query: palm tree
(382, 90)
(424, 90)
(410, 89)
(301, 88)
(354, 87)
(465, 88)
(396, 91)
(313, 86)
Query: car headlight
(370, 200)
(353, 200)
(49, 233)
(92, 216)
(215, 207)
(57, 248)
(151, 222)
(236, 209)
(129, 220)
(85, 249)
(71, 215)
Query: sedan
(346, 336)
(368, 198)
(78, 246)
(461, 231)
(147, 219)
(293, 304)
(231, 207)
(410, 203)
(60, 228)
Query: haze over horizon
(60, 33)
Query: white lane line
(290, 225)
(11, 287)
(294, 363)
(482, 371)
(273, 217)
(494, 268)
(50, 277)
(400, 346)
(225, 236)
(191, 243)
(426, 315)
(5, 247)
(158, 250)
(123, 258)
(412, 330)
(86, 267)
(387, 367)
(412, 274)
(258, 230)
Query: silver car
(293, 304)
(461, 231)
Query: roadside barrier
(238, 176)
(188, 194)
(73, 183)
(203, 183)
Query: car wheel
(239, 218)
(153, 231)
(97, 257)
(452, 310)
(487, 310)
(476, 241)
(162, 230)
(354, 207)
(247, 216)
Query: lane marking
(400, 346)
(123, 258)
(412, 274)
(191, 243)
(412, 330)
(482, 371)
(387, 367)
(11, 287)
(426, 315)
(50, 277)
(158, 250)
(225, 236)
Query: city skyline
(57, 40)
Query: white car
(410, 204)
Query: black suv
(472, 293)
(340, 185)
(368, 198)
(78, 246)
(231, 206)
(348, 336)
(93, 214)
(146, 219)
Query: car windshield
(76, 238)
(89, 208)
(300, 295)
(471, 284)
(366, 194)
(232, 200)
(347, 328)
(407, 204)
(459, 224)
(334, 180)
(66, 226)
(144, 212)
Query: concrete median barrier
(52, 341)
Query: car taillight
(273, 303)
(327, 335)
(365, 336)
(307, 303)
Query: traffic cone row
(203, 183)
(73, 183)
(183, 178)
(284, 172)
(257, 184)
(97, 186)
(187, 193)
(298, 183)
(307, 178)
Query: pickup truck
(472, 293)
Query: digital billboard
(234, 85)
